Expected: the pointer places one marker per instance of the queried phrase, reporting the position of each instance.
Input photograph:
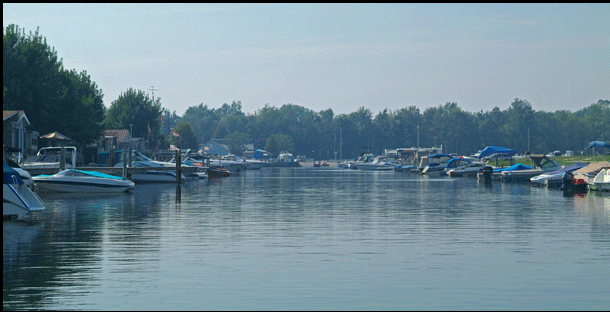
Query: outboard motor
(487, 171)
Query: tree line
(56, 99)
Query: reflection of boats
(602, 180)
(18, 199)
(555, 178)
(80, 181)
(543, 164)
(50, 157)
(156, 176)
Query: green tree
(279, 143)
(53, 98)
(187, 137)
(236, 142)
(135, 107)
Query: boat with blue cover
(80, 181)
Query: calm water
(313, 239)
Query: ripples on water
(306, 238)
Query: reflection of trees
(64, 254)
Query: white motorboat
(26, 177)
(139, 160)
(80, 181)
(543, 163)
(468, 170)
(18, 199)
(156, 176)
(456, 162)
(49, 157)
(555, 178)
(436, 164)
(229, 162)
(378, 163)
(602, 180)
(259, 159)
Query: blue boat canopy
(490, 150)
(10, 175)
(440, 155)
(598, 144)
(570, 168)
(514, 167)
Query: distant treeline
(56, 99)
(319, 134)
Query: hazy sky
(338, 56)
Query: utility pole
(341, 144)
(417, 136)
(152, 89)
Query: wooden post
(111, 160)
(62, 159)
(178, 166)
(124, 164)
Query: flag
(161, 120)
(176, 134)
(149, 132)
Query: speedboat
(378, 163)
(259, 159)
(555, 178)
(456, 162)
(49, 157)
(436, 164)
(81, 181)
(26, 177)
(18, 199)
(602, 180)
(468, 170)
(543, 163)
(156, 176)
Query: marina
(277, 237)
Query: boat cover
(458, 160)
(490, 150)
(514, 167)
(99, 174)
(440, 155)
(598, 144)
(10, 175)
(569, 168)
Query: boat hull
(19, 201)
(155, 177)
(602, 180)
(82, 185)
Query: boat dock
(115, 171)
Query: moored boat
(18, 199)
(80, 181)
(602, 180)
(156, 176)
(555, 178)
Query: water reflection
(314, 239)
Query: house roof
(120, 134)
(55, 136)
(21, 114)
